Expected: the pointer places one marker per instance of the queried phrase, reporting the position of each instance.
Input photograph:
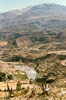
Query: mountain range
(40, 16)
(34, 36)
(45, 23)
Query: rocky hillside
(39, 15)
(36, 37)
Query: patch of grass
(21, 76)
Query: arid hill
(36, 37)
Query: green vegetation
(36, 66)
(10, 91)
(14, 43)
(9, 76)
(2, 76)
(20, 75)
(18, 86)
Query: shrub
(9, 76)
(2, 76)
(18, 86)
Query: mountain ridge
(35, 37)
(28, 7)
(36, 15)
(35, 25)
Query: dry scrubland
(35, 37)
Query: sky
(6, 5)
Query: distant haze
(6, 5)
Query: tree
(18, 86)
(9, 76)
(2, 76)
(37, 64)
(45, 80)
(10, 91)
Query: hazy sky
(6, 5)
